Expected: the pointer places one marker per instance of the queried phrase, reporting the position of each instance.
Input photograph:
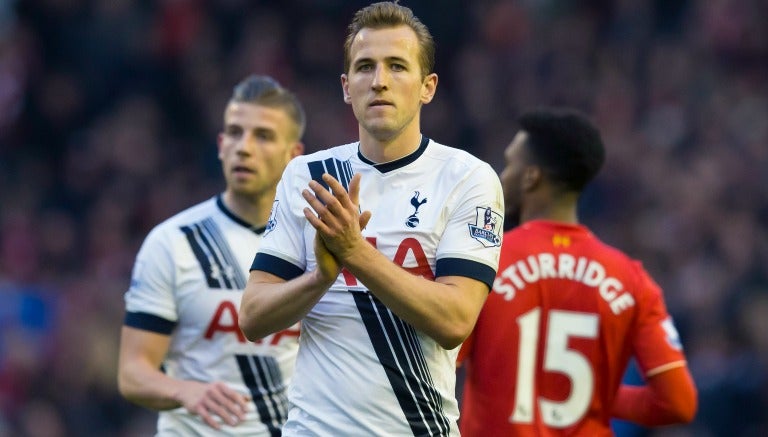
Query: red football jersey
(554, 338)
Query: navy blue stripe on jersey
(208, 232)
(219, 272)
(346, 173)
(220, 203)
(340, 170)
(277, 266)
(398, 163)
(261, 374)
(466, 268)
(149, 322)
(398, 349)
(231, 266)
(200, 254)
(331, 169)
(316, 170)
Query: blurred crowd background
(109, 112)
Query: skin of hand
(208, 400)
(142, 382)
(271, 303)
(328, 267)
(338, 222)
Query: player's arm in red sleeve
(668, 398)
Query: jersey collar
(398, 163)
(220, 203)
(556, 226)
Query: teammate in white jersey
(181, 349)
(385, 295)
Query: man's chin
(245, 190)
(381, 129)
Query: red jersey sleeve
(668, 398)
(657, 345)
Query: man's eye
(365, 67)
(398, 67)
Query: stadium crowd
(109, 112)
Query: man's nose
(246, 144)
(380, 78)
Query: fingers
(338, 190)
(354, 195)
(202, 411)
(220, 403)
(317, 214)
(335, 208)
(331, 207)
(365, 217)
(354, 189)
(235, 403)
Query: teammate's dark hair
(566, 145)
(266, 91)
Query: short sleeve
(149, 301)
(283, 251)
(471, 244)
(657, 345)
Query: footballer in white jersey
(187, 283)
(361, 370)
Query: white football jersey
(187, 282)
(361, 370)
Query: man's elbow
(453, 336)
(122, 388)
(688, 400)
(683, 408)
(126, 389)
(249, 328)
(449, 343)
(686, 411)
(247, 317)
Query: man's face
(255, 146)
(384, 83)
(512, 176)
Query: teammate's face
(255, 146)
(512, 176)
(384, 83)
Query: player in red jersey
(567, 311)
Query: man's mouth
(241, 169)
(380, 103)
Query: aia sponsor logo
(225, 321)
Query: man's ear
(428, 88)
(297, 149)
(219, 140)
(345, 89)
(531, 177)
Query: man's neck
(381, 150)
(562, 208)
(253, 209)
